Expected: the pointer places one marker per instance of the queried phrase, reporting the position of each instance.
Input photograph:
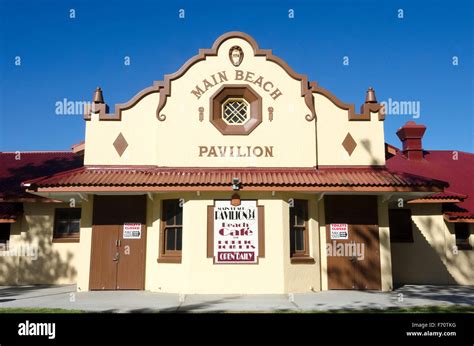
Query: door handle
(116, 257)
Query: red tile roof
(114, 177)
(456, 168)
(16, 167)
(447, 195)
(459, 215)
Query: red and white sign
(132, 231)
(339, 231)
(235, 232)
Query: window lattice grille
(235, 111)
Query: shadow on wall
(358, 273)
(419, 262)
(48, 268)
(345, 275)
(368, 147)
(360, 213)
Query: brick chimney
(411, 134)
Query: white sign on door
(339, 231)
(132, 231)
(235, 232)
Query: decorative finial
(98, 97)
(370, 96)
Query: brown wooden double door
(353, 263)
(117, 262)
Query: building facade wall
(303, 277)
(169, 124)
(332, 128)
(138, 126)
(197, 273)
(175, 139)
(385, 246)
(430, 259)
(460, 263)
(85, 245)
(39, 260)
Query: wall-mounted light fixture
(235, 184)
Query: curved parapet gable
(165, 92)
(307, 88)
(235, 105)
(365, 109)
(346, 137)
(101, 108)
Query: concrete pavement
(66, 297)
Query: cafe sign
(235, 232)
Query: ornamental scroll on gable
(230, 104)
(235, 59)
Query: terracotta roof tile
(456, 168)
(157, 176)
(16, 167)
(456, 215)
(446, 195)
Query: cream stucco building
(236, 174)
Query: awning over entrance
(106, 178)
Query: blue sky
(409, 59)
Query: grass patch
(38, 311)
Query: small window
(171, 231)
(67, 224)
(462, 236)
(299, 233)
(235, 111)
(400, 225)
(4, 235)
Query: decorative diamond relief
(349, 144)
(120, 144)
